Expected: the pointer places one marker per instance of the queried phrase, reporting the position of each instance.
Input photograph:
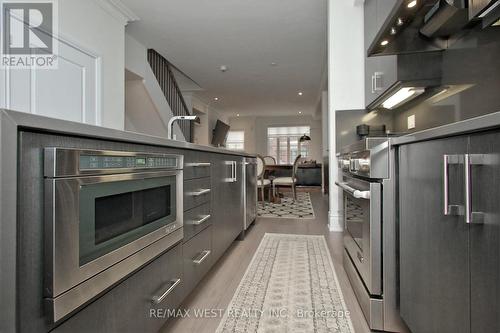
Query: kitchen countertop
(51, 125)
(476, 124)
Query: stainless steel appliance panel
(89, 243)
(250, 174)
(363, 227)
(367, 158)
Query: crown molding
(118, 10)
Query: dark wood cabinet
(434, 255)
(450, 269)
(380, 72)
(477, 6)
(484, 239)
(227, 198)
(129, 306)
(197, 259)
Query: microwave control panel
(104, 162)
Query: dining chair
(289, 181)
(262, 183)
(270, 160)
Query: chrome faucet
(170, 126)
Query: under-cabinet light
(403, 95)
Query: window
(236, 140)
(283, 143)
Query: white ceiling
(198, 36)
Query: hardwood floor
(217, 288)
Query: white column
(345, 83)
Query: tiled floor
(217, 288)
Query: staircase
(162, 70)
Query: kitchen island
(210, 213)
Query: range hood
(421, 26)
(418, 77)
(490, 15)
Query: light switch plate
(411, 122)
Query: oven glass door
(362, 237)
(114, 214)
(357, 214)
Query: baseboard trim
(335, 223)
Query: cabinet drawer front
(197, 259)
(129, 307)
(197, 219)
(196, 165)
(196, 192)
(197, 169)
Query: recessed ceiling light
(393, 31)
(300, 112)
(300, 93)
(400, 21)
(274, 64)
(412, 4)
(384, 42)
(237, 115)
(216, 98)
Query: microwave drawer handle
(201, 258)
(200, 221)
(355, 193)
(200, 192)
(172, 284)
(198, 165)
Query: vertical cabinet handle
(469, 161)
(233, 177)
(377, 76)
(171, 286)
(449, 209)
(373, 84)
(235, 174)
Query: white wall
(146, 109)
(91, 63)
(256, 132)
(346, 81)
(208, 118)
(89, 25)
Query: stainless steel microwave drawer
(197, 259)
(197, 219)
(196, 165)
(138, 303)
(196, 192)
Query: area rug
(299, 209)
(289, 286)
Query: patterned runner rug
(300, 209)
(289, 286)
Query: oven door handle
(352, 191)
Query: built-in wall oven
(107, 214)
